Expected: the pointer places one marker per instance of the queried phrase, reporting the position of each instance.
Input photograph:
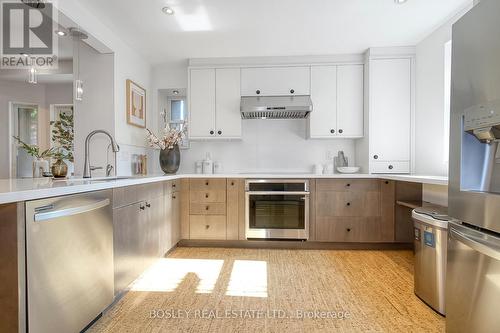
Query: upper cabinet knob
(219, 132)
(341, 131)
(292, 91)
(332, 131)
(212, 132)
(257, 92)
(391, 167)
(375, 157)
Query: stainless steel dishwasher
(69, 261)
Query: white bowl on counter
(348, 169)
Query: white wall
(429, 117)
(128, 64)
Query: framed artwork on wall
(136, 104)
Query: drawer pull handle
(348, 185)
(206, 195)
(207, 226)
(232, 183)
(348, 229)
(387, 182)
(142, 207)
(174, 197)
(206, 183)
(348, 204)
(173, 185)
(206, 208)
(148, 205)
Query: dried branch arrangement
(171, 136)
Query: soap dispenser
(208, 164)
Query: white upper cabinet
(275, 81)
(202, 103)
(323, 118)
(227, 103)
(214, 103)
(390, 114)
(350, 101)
(337, 97)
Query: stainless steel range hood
(275, 107)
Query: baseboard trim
(309, 245)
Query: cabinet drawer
(207, 209)
(207, 196)
(207, 184)
(172, 186)
(347, 185)
(348, 203)
(350, 229)
(390, 167)
(207, 227)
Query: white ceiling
(232, 28)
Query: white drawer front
(390, 167)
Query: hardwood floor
(372, 290)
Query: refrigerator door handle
(483, 246)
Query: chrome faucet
(87, 171)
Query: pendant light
(77, 36)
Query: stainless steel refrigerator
(473, 264)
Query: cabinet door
(350, 101)
(175, 219)
(227, 103)
(127, 252)
(202, 103)
(275, 81)
(323, 118)
(390, 109)
(153, 228)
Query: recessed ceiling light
(175, 92)
(61, 33)
(168, 10)
(400, 2)
(24, 54)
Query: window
(447, 101)
(177, 110)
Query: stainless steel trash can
(430, 239)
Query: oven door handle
(278, 193)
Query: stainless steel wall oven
(277, 209)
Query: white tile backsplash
(268, 145)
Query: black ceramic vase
(170, 159)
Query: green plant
(63, 136)
(34, 150)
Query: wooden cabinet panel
(355, 203)
(387, 208)
(390, 109)
(347, 185)
(349, 229)
(350, 100)
(214, 184)
(234, 188)
(202, 103)
(207, 196)
(227, 103)
(207, 209)
(275, 81)
(175, 214)
(184, 213)
(323, 120)
(207, 227)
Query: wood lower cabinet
(352, 210)
(207, 226)
(214, 208)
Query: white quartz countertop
(15, 190)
